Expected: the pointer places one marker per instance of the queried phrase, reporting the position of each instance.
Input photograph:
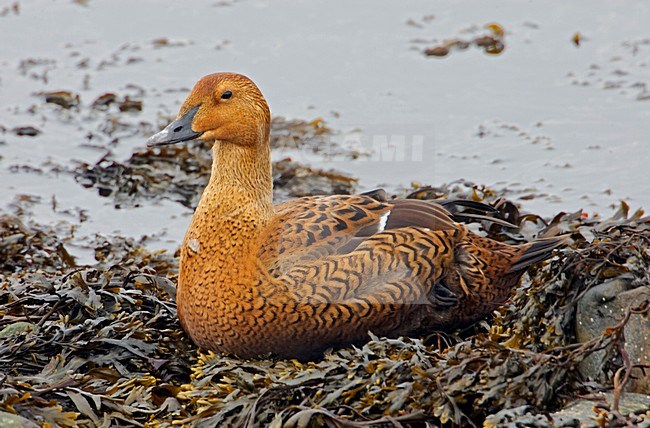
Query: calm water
(569, 124)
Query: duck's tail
(537, 251)
(488, 269)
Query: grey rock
(630, 406)
(526, 416)
(604, 306)
(577, 414)
(9, 420)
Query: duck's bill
(176, 132)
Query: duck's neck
(240, 180)
(219, 265)
(236, 205)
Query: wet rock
(604, 306)
(591, 413)
(581, 413)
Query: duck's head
(225, 107)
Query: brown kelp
(101, 346)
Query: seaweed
(101, 345)
(180, 173)
(492, 43)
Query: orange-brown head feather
(241, 117)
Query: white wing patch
(383, 220)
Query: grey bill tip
(176, 132)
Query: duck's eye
(226, 95)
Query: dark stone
(604, 306)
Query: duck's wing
(401, 281)
(391, 267)
(315, 227)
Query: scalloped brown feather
(311, 273)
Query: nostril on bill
(178, 128)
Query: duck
(293, 279)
